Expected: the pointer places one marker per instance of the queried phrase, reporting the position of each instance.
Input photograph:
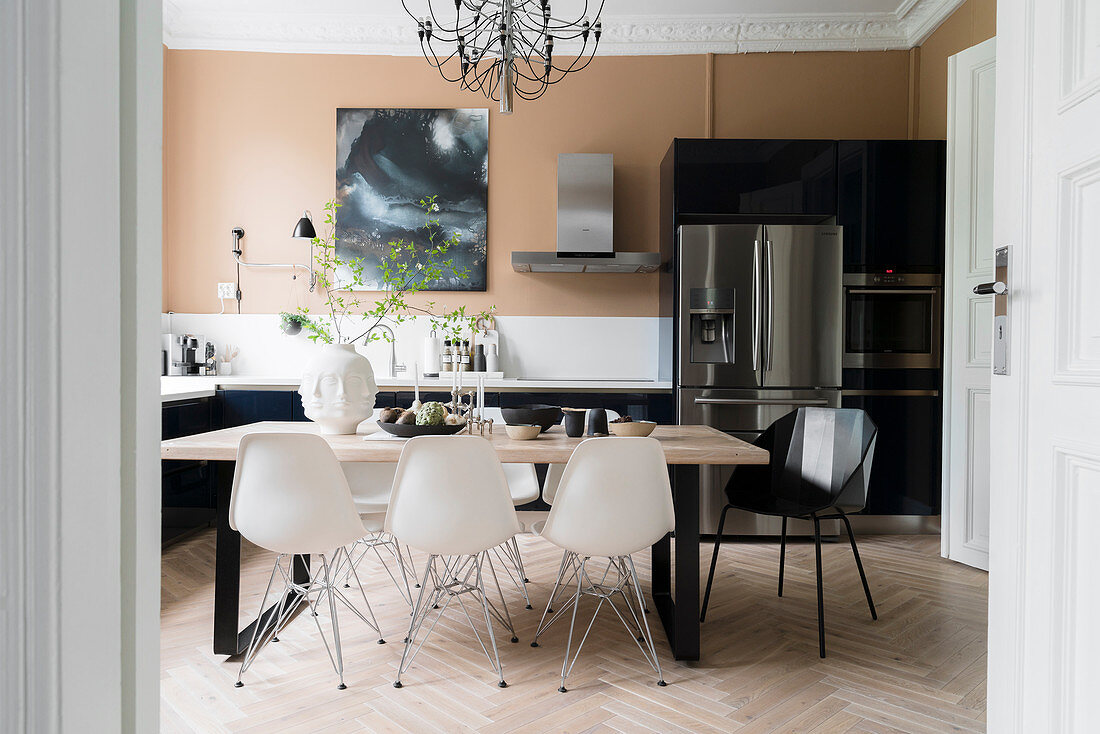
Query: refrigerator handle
(757, 303)
(762, 401)
(771, 302)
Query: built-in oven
(893, 320)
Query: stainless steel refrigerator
(757, 333)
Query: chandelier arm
(572, 67)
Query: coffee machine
(187, 354)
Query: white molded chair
(290, 497)
(451, 500)
(614, 500)
(523, 485)
(371, 484)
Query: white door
(1044, 561)
(968, 327)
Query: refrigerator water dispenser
(712, 325)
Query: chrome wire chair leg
(568, 561)
(418, 615)
(521, 570)
(820, 590)
(361, 548)
(655, 662)
(373, 621)
(782, 554)
(510, 559)
(713, 562)
(329, 582)
(489, 617)
(565, 667)
(624, 583)
(859, 565)
(566, 583)
(451, 579)
(250, 654)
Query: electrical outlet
(227, 290)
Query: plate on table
(404, 430)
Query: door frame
(957, 65)
(80, 197)
(1012, 190)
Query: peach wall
(250, 141)
(975, 21)
(812, 95)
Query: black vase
(597, 422)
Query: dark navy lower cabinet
(240, 407)
(187, 487)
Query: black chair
(819, 469)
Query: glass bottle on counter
(464, 356)
(445, 362)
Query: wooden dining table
(675, 585)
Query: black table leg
(679, 607)
(227, 575)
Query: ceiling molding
(226, 28)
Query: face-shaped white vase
(338, 389)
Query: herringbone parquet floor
(919, 668)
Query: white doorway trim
(80, 180)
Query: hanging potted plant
(338, 387)
(292, 323)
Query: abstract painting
(387, 161)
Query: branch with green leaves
(404, 269)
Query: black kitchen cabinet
(239, 407)
(187, 487)
(892, 204)
(907, 408)
(753, 177)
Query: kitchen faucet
(394, 366)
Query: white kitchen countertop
(174, 388)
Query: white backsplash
(549, 347)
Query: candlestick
(481, 398)
(416, 382)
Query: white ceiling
(631, 27)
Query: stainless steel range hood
(585, 224)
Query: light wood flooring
(919, 668)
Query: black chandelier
(504, 48)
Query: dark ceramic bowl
(544, 416)
(404, 430)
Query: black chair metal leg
(859, 565)
(713, 562)
(820, 592)
(782, 554)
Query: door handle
(771, 302)
(762, 401)
(889, 393)
(757, 304)
(996, 288)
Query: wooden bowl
(522, 432)
(404, 430)
(631, 428)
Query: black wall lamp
(303, 230)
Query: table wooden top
(681, 444)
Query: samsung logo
(829, 234)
